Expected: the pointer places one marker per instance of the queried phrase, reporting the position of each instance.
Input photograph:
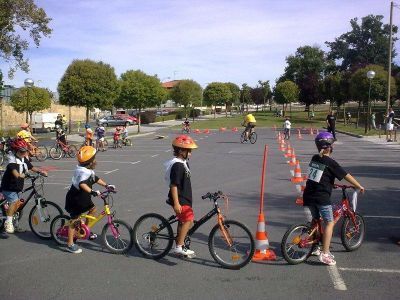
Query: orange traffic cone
(288, 151)
(297, 173)
(262, 245)
(292, 161)
(299, 134)
(282, 146)
(206, 131)
(234, 129)
(274, 127)
(222, 129)
(299, 200)
(196, 131)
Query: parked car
(132, 118)
(162, 112)
(116, 121)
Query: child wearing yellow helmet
(79, 196)
(178, 176)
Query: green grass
(267, 119)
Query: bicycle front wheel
(72, 151)
(128, 142)
(41, 153)
(296, 245)
(243, 137)
(253, 137)
(55, 153)
(153, 236)
(352, 237)
(41, 216)
(231, 246)
(59, 229)
(117, 237)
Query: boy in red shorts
(180, 190)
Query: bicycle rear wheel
(232, 246)
(253, 137)
(59, 229)
(41, 153)
(72, 151)
(41, 216)
(350, 236)
(55, 153)
(153, 236)
(243, 137)
(296, 244)
(117, 237)
(128, 142)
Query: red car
(126, 116)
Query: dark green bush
(147, 117)
(180, 114)
(194, 113)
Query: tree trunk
(358, 113)
(290, 109)
(87, 115)
(26, 117)
(226, 110)
(344, 113)
(30, 119)
(215, 111)
(193, 113)
(139, 120)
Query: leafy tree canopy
(366, 43)
(30, 99)
(235, 93)
(17, 15)
(245, 94)
(359, 84)
(89, 84)
(286, 92)
(217, 93)
(186, 93)
(336, 87)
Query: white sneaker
(326, 259)
(183, 251)
(9, 227)
(317, 251)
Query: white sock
(9, 219)
(179, 246)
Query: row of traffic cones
(222, 129)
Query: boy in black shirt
(322, 172)
(180, 193)
(331, 123)
(79, 196)
(12, 182)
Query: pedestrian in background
(286, 128)
(331, 123)
(373, 117)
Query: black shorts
(250, 126)
(74, 213)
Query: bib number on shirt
(315, 171)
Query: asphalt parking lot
(36, 269)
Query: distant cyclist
(27, 136)
(100, 133)
(88, 135)
(60, 135)
(322, 172)
(249, 122)
(186, 126)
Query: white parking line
(370, 270)
(135, 162)
(338, 282)
(383, 217)
(109, 172)
(167, 150)
(59, 170)
(154, 155)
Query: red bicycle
(60, 149)
(300, 240)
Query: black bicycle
(230, 243)
(252, 137)
(41, 214)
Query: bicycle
(252, 136)
(126, 142)
(60, 149)
(117, 143)
(185, 129)
(41, 214)
(118, 231)
(4, 148)
(230, 243)
(104, 142)
(301, 240)
(39, 152)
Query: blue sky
(241, 41)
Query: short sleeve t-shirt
(9, 181)
(390, 118)
(331, 120)
(321, 177)
(181, 178)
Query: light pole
(28, 82)
(370, 75)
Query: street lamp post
(28, 82)
(370, 75)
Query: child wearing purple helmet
(322, 172)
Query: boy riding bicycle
(60, 135)
(117, 134)
(100, 133)
(177, 176)
(249, 122)
(12, 182)
(124, 134)
(27, 136)
(89, 135)
(79, 196)
(322, 173)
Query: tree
(89, 84)
(17, 15)
(266, 90)
(367, 43)
(257, 96)
(245, 96)
(306, 68)
(286, 92)
(235, 94)
(187, 92)
(30, 99)
(217, 93)
(139, 90)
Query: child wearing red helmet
(177, 176)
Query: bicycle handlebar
(34, 176)
(212, 196)
(344, 187)
(107, 191)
